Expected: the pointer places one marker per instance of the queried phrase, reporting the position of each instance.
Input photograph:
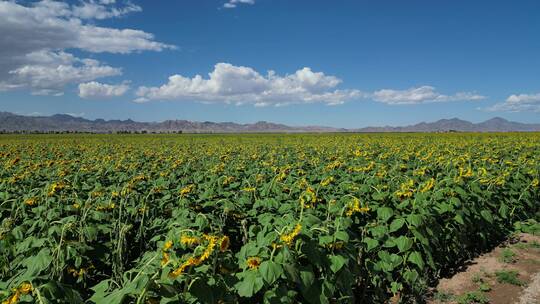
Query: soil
(526, 262)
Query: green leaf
(371, 243)
(337, 262)
(389, 243)
(115, 297)
(292, 273)
(270, 271)
(384, 213)
(416, 258)
(503, 211)
(455, 201)
(325, 239)
(100, 292)
(60, 293)
(410, 276)
(101, 287)
(415, 220)
(458, 218)
(487, 216)
(395, 260)
(384, 255)
(378, 231)
(250, 284)
(342, 235)
(420, 236)
(379, 196)
(310, 288)
(397, 224)
(395, 287)
(38, 263)
(403, 243)
(307, 277)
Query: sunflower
(289, 237)
(209, 248)
(189, 240)
(327, 181)
(165, 259)
(25, 288)
(167, 245)
(253, 262)
(428, 185)
(31, 201)
(355, 207)
(224, 244)
(186, 190)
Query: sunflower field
(302, 218)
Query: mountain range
(10, 122)
(496, 124)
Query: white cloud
(423, 94)
(518, 103)
(234, 3)
(46, 73)
(100, 90)
(102, 10)
(243, 85)
(50, 28)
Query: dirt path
(508, 274)
(532, 293)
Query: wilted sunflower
(224, 244)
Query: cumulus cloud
(49, 28)
(46, 73)
(419, 95)
(234, 3)
(98, 90)
(243, 85)
(518, 103)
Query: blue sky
(334, 63)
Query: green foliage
(443, 297)
(531, 226)
(336, 218)
(508, 277)
(484, 287)
(474, 297)
(532, 245)
(507, 256)
(477, 278)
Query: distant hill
(10, 122)
(496, 124)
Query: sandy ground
(481, 272)
(532, 293)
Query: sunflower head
(168, 245)
(253, 262)
(189, 240)
(224, 244)
(25, 288)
